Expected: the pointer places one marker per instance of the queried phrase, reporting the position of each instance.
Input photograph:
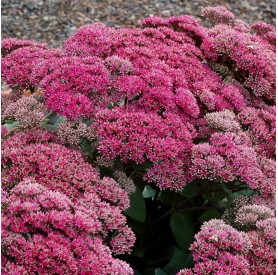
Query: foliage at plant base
(141, 151)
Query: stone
(166, 13)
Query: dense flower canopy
(36, 219)
(63, 203)
(174, 72)
(168, 104)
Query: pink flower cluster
(223, 121)
(139, 137)
(266, 32)
(45, 232)
(70, 132)
(205, 82)
(178, 100)
(230, 157)
(226, 43)
(29, 112)
(218, 15)
(220, 248)
(57, 203)
(17, 66)
(261, 125)
(72, 85)
(11, 44)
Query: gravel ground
(52, 21)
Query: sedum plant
(58, 216)
(139, 130)
(246, 245)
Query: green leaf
(226, 189)
(10, 126)
(9, 121)
(51, 127)
(60, 120)
(148, 192)
(216, 196)
(189, 263)
(178, 261)
(247, 192)
(183, 229)
(159, 271)
(88, 121)
(51, 114)
(208, 215)
(189, 190)
(45, 122)
(137, 209)
(52, 117)
(87, 147)
(139, 251)
(136, 272)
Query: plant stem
(165, 215)
(181, 203)
(156, 195)
(133, 173)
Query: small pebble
(52, 21)
(166, 13)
